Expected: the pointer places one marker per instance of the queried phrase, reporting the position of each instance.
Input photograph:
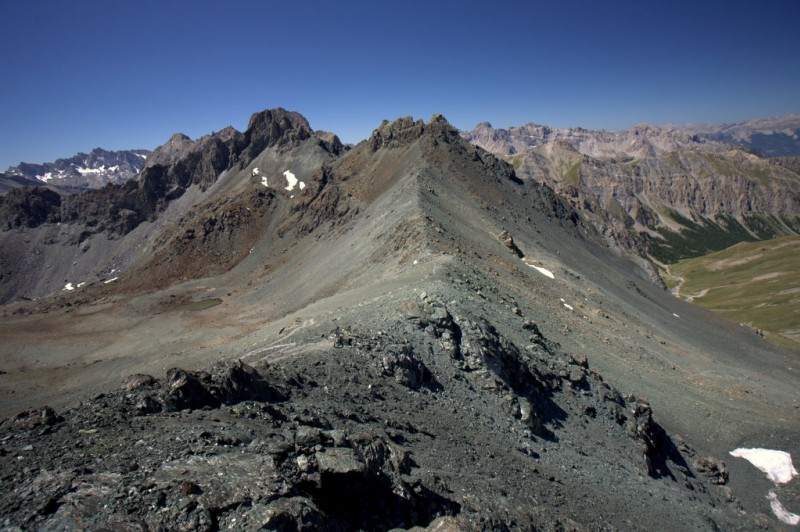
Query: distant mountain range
(766, 137)
(673, 192)
(81, 171)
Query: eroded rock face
(635, 184)
(29, 207)
(227, 383)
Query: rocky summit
(270, 330)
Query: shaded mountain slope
(414, 368)
(9, 182)
(51, 239)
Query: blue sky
(79, 74)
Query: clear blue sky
(79, 74)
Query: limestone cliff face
(641, 141)
(777, 136)
(769, 137)
(647, 180)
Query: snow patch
(779, 469)
(111, 280)
(69, 287)
(776, 464)
(81, 285)
(255, 172)
(543, 271)
(675, 315)
(568, 306)
(142, 156)
(84, 171)
(780, 512)
(292, 181)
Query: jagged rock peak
(406, 130)
(274, 127)
(179, 138)
(228, 133)
(330, 142)
(216, 149)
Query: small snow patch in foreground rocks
(675, 315)
(776, 464)
(780, 512)
(568, 306)
(779, 469)
(111, 280)
(68, 286)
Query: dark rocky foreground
(430, 419)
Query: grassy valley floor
(754, 283)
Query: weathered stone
(339, 461)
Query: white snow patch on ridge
(776, 464)
(543, 271)
(84, 171)
(292, 180)
(49, 175)
(69, 287)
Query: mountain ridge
(423, 339)
(643, 140)
(85, 170)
